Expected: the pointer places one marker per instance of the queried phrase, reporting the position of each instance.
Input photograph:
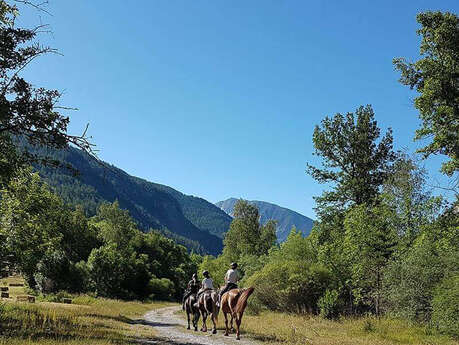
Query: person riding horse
(231, 279)
(206, 285)
(192, 288)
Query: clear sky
(219, 99)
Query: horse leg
(238, 325)
(226, 324)
(195, 320)
(188, 319)
(214, 322)
(232, 328)
(204, 325)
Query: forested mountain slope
(192, 221)
(285, 217)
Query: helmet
(205, 273)
(233, 265)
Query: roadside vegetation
(87, 320)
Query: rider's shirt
(231, 276)
(207, 283)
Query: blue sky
(219, 99)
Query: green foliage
(246, 235)
(162, 289)
(290, 286)
(445, 306)
(434, 76)
(30, 219)
(330, 304)
(354, 161)
(369, 241)
(412, 276)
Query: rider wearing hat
(231, 279)
(207, 283)
(192, 288)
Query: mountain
(192, 221)
(286, 218)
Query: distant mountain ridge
(192, 221)
(285, 217)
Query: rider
(207, 283)
(231, 279)
(192, 288)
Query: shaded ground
(171, 329)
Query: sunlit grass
(295, 329)
(92, 321)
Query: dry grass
(293, 329)
(88, 321)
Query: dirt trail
(171, 328)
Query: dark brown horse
(192, 310)
(207, 303)
(234, 303)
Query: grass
(294, 329)
(88, 321)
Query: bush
(445, 306)
(290, 286)
(162, 289)
(55, 273)
(330, 304)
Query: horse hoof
(214, 331)
(226, 334)
(238, 338)
(188, 327)
(196, 329)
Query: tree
(405, 192)
(246, 235)
(25, 110)
(353, 160)
(370, 242)
(436, 77)
(30, 222)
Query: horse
(234, 303)
(207, 303)
(192, 310)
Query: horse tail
(242, 300)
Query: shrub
(162, 289)
(290, 286)
(445, 306)
(329, 304)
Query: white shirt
(231, 276)
(207, 283)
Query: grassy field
(294, 329)
(87, 321)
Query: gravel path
(171, 329)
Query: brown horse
(234, 303)
(207, 303)
(192, 310)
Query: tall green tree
(30, 222)
(354, 162)
(436, 77)
(246, 235)
(370, 240)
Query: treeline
(382, 243)
(57, 248)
